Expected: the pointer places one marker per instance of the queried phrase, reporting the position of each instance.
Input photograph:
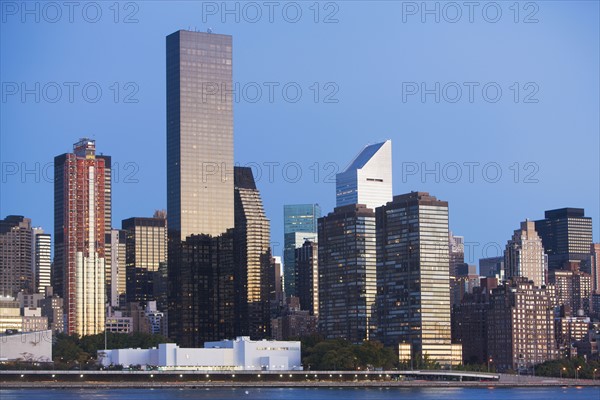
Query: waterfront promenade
(229, 379)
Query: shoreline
(288, 384)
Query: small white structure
(241, 354)
(28, 347)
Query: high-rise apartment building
(200, 186)
(299, 224)
(118, 270)
(252, 257)
(457, 252)
(146, 248)
(412, 276)
(347, 273)
(573, 289)
(16, 256)
(82, 220)
(42, 260)
(524, 255)
(307, 282)
(566, 235)
(368, 178)
(520, 324)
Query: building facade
(252, 258)
(16, 256)
(524, 255)
(241, 354)
(42, 260)
(520, 326)
(200, 191)
(566, 235)
(299, 224)
(347, 273)
(413, 298)
(146, 248)
(307, 283)
(368, 178)
(82, 221)
(118, 267)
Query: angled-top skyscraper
(199, 133)
(368, 178)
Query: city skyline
(336, 132)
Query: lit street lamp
(489, 362)
(594, 374)
(561, 371)
(577, 373)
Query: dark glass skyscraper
(347, 273)
(146, 248)
(299, 224)
(412, 275)
(200, 192)
(567, 236)
(199, 134)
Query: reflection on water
(311, 394)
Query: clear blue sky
(373, 57)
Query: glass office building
(412, 275)
(299, 224)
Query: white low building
(241, 354)
(27, 347)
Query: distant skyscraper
(595, 267)
(200, 191)
(252, 257)
(524, 255)
(299, 224)
(118, 273)
(566, 235)
(82, 198)
(307, 282)
(146, 248)
(368, 178)
(347, 273)
(42, 260)
(413, 275)
(16, 256)
(492, 267)
(457, 252)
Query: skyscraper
(368, 178)
(118, 264)
(42, 260)
(307, 282)
(200, 191)
(299, 224)
(595, 267)
(566, 235)
(413, 274)
(16, 256)
(252, 257)
(199, 134)
(146, 248)
(524, 255)
(347, 273)
(81, 222)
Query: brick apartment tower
(82, 212)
